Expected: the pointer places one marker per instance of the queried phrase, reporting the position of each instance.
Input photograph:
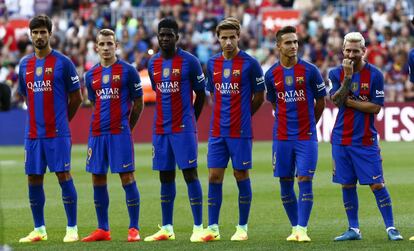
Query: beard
(40, 46)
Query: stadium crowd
(384, 24)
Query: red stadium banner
(274, 19)
(20, 26)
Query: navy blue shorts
(51, 152)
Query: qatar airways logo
(227, 88)
(40, 86)
(292, 96)
(107, 93)
(168, 86)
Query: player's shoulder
(26, 58)
(411, 53)
(92, 69)
(335, 71)
(308, 65)
(126, 65)
(61, 57)
(248, 57)
(272, 68)
(153, 58)
(186, 55)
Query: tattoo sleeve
(342, 93)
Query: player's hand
(348, 66)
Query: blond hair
(105, 33)
(354, 37)
(230, 23)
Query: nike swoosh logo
(307, 194)
(382, 200)
(215, 73)
(93, 82)
(276, 84)
(156, 73)
(191, 161)
(67, 164)
(376, 177)
(30, 72)
(246, 162)
(126, 165)
(311, 171)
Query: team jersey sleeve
(411, 65)
(377, 89)
(151, 73)
(317, 83)
(210, 80)
(88, 83)
(22, 84)
(134, 83)
(257, 78)
(270, 88)
(334, 83)
(71, 78)
(197, 77)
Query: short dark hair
(41, 21)
(283, 31)
(169, 23)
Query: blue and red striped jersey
(46, 83)
(294, 91)
(112, 89)
(411, 65)
(233, 83)
(174, 80)
(353, 127)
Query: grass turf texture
(268, 223)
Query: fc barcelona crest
(49, 70)
(226, 73)
(289, 80)
(166, 72)
(39, 71)
(300, 80)
(176, 72)
(236, 73)
(364, 86)
(354, 86)
(105, 79)
(116, 78)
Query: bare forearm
(319, 107)
(340, 96)
(136, 112)
(199, 103)
(257, 101)
(75, 99)
(363, 106)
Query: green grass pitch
(268, 224)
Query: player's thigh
(283, 158)
(121, 153)
(57, 152)
(162, 153)
(34, 158)
(97, 155)
(368, 164)
(343, 168)
(240, 150)
(184, 146)
(306, 157)
(217, 153)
